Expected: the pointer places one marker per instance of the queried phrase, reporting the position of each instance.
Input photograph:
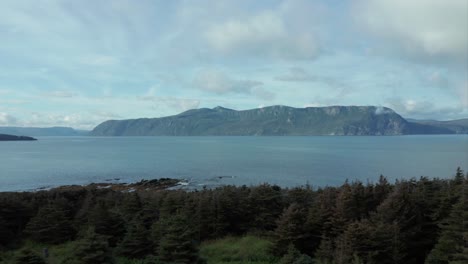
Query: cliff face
(274, 120)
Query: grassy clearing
(229, 250)
(237, 250)
(57, 253)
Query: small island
(4, 137)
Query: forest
(411, 221)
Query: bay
(213, 161)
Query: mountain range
(279, 121)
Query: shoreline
(142, 185)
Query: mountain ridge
(277, 120)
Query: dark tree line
(411, 221)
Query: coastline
(142, 185)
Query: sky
(79, 63)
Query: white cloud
(338, 88)
(314, 105)
(150, 95)
(167, 102)
(274, 33)
(438, 79)
(5, 92)
(207, 31)
(100, 60)
(410, 106)
(107, 92)
(234, 34)
(263, 94)
(14, 101)
(107, 115)
(422, 29)
(7, 119)
(456, 89)
(174, 103)
(61, 94)
(382, 111)
(86, 112)
(296, 74)
(463, 94)
(218, 82)
(41, 119)
(83, 120)
(182, 104)
(423, 109)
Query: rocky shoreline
(143, 185)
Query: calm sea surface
(211, 161)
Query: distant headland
(42, 131)
(5, 137)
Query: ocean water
(212, 161)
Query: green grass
(229, 250)
(237, 250)
(57, 253)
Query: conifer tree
(172, 203)
(205, 215)
(294, 256)
(381, 190)
(230, 205)
(303, 196)
(459, 177)
(148, 214)
(368, 242)
(14, 215)
(322, 217)
(362, 199)
(50, 225)
(452, 246)
(131, 205)
(6, 234)
(291, 230)
(177, 242)
(266, 205)
(91, 249)
(86, 206)
(407, 207)
(136, 243)
(313, 228)
(106, 223)
(325, 253)
(345, 210)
